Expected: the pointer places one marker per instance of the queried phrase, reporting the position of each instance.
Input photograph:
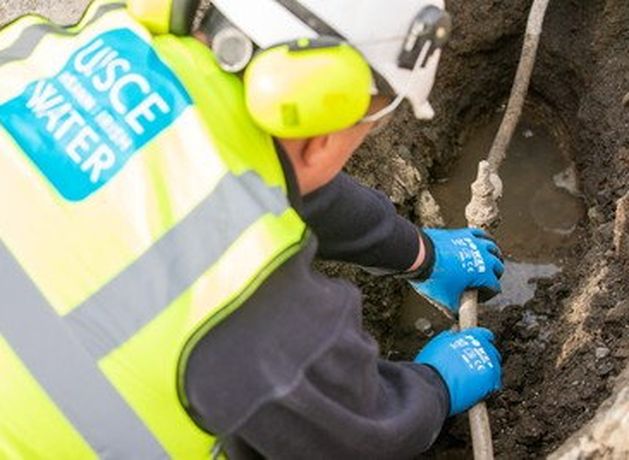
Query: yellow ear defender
(165, 16)
(299, 89)
(307, 87)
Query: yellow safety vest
(139, 207)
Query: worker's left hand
(469, 364)
(463, 259)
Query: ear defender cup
(165, 16)
(307, 88)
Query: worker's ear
(335, 147)
(318, 159)
(317, 150)
(314, 161)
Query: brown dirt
(554, 380)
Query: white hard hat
(400, 39)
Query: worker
(162, 204)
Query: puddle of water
(518, 287)
(518, 283)
(539, 211)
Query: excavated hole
(562, 346)
(541, 205)
(540, 210)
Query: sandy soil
(68, 13)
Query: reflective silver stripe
(31, 36)
(67, 373)
(143, 290)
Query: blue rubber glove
(462, 259)
(468, 363)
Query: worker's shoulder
(269, 342)
(295, 303)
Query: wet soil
(562, 348)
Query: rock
(621, 353)
(424, 326)
(535, 429)
(605, 368)
(529, 320)
(621, 228)
(513, 377)
(618, 313)
(512, 396)
(604, 234)
(559, 291)
(428, 210)
(568, 180)
(530, 332)
(596, 216)
(623, 155)
(606, 230)
(601, 352)
(406, 182)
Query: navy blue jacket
(293, 374)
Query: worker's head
(311, 66)
(319, 74)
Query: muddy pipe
(482, 211)
(478, 416)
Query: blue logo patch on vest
(81, 126)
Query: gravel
(64, 13)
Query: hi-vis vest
(139, 206)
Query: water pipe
(482, 211)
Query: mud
(563, 348)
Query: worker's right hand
(462, 259)
(469, 364)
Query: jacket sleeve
(292, 374)
(360, 225)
